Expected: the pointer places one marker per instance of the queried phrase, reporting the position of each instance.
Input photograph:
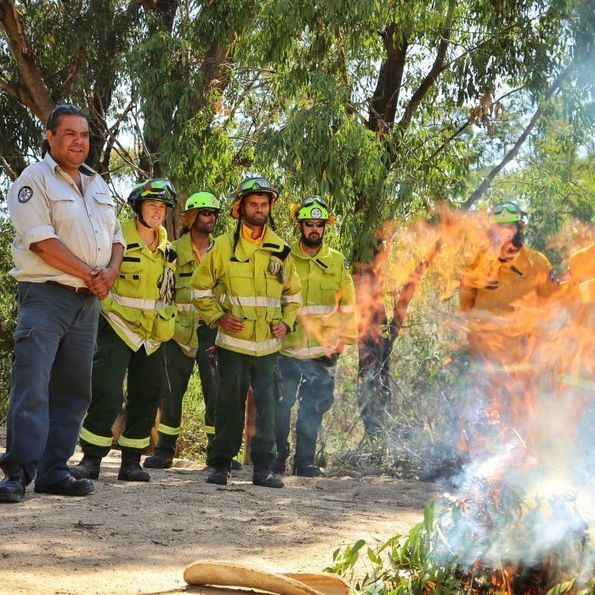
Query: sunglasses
(255, 184)
(314, 199)
(318, 225)
(208, 213)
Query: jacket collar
(271, 242)
(321, 259)
(130, 230)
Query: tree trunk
(374, 391)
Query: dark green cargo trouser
(179, 369)
(146, 378)
(237, 372)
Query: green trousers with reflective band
(237, 372)
(146, 380)
(179, 368)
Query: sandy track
(131, 538)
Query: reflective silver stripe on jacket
(140, 304)
(309, 352)
(185, 307)
(197, 294)
(317, 310)
(253, 346)
(252, 301)
(292, 299)
(135, 339)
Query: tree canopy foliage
(385, 107)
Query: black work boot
(236, 465)
(278, 466)
(218, 475)
(160, 460)
(307, 471)
(266, 478)
(12, 487)
(130, 469)
(87, 468)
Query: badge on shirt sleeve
(25, 194)
(347, 264)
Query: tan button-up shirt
(44, 202)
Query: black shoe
(68, 487)
(88, 468)
(278, 467)
(267, 479)
(218, 475)
(307, 471)
(130, 469)
(158, 461)
(235, 465)
(12, 487)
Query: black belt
(79, 290)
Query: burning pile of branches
(517, 520)
(487, 542)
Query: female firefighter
(137, 317)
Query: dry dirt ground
(137, 538)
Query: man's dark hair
(62, 109)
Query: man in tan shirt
(67, 253)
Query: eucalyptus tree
(385, 107)
(56, 51)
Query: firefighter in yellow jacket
(325, 324)
(259, 299)
(499, 290)
(574, 350)
(193, 340)
(502, 274)
(137, 317)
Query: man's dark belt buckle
(79, 290)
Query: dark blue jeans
(51, 379)
(311, 381)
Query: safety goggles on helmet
(202, 200)
(508, 212)
(310, 200)
(154, 189)
(313, 208)
(255, 185)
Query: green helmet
(159, 189)
(202, 200)
(313, 207)
(507, 212)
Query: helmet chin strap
(142, 221)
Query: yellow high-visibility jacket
(581, 266)
(326, 320)
(133, 307)
(257, 282)
(187, 320)
(578, 369)
(528, 272)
